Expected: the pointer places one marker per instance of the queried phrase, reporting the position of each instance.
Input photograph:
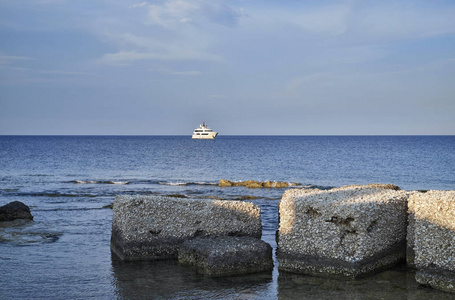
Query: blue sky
(244, 67)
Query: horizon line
(245, 135)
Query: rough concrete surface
(224, 256)
(345, 232)
(152, 227)
(434, 238)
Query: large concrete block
(152, 227)
(434, 238)
(225, 256)
(349, 232)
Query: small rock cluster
(157, 227)
(256, 184)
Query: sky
(246, 67)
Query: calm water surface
(68, 181)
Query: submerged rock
(225, 256)
(387, 186)
(256, 184)
(15, 210)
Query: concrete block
(152, 227)
(350, 232)
(225, 256)
(434, 239)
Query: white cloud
(60, 72)
(175, 13)
(172, 30)
(125, 58)
(8, 60)
(142, 4)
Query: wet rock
(246, 197)
(387, 186)
(177, 196)
(153, 227)
(15, 210)
(350, 232)
(256, 184)
(434, 238)
(225, 256)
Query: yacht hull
(210, 136)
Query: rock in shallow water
(15, 210)
(153, 227)
(346, 232)
(224, 256)
(434, 238)
(256, 184)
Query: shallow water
(65, 252)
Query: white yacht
(203, 132)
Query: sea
(70, 182)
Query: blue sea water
(69, 180)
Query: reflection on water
(396, 283)
(167, 279)
(23, 233)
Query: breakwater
(349, 232)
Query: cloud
(173, 30)
(187, 73)
(361, 21)
(9, 60)
(59, 72)
(404, 20)
(6, 59)
(337, 56)
(125, 58)
(142, 4)
(179, 73)
(177, 13)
